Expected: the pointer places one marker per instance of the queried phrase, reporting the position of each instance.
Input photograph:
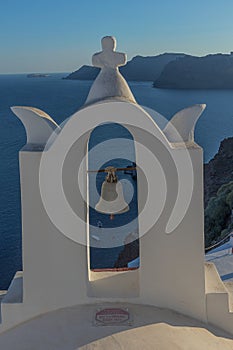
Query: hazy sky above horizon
(60, 36)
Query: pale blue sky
(60, 36)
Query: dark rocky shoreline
(219, 170)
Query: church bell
(112, 198)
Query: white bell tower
(53, 173)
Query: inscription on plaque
(112, 317)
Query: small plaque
(112, 317)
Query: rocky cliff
(219, 170)
(128, 253)
(190, 72)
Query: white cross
(108, 58)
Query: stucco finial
(39, 125)
(108, 58)
(109, 83)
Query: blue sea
(60, 98)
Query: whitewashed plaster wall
(55, 267)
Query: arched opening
(113, 239)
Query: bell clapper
(111, 216)
(111, 174)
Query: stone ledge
(15, 291)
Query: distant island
(190, 72)
(138, 69)
(173, 71)
(37, 75)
